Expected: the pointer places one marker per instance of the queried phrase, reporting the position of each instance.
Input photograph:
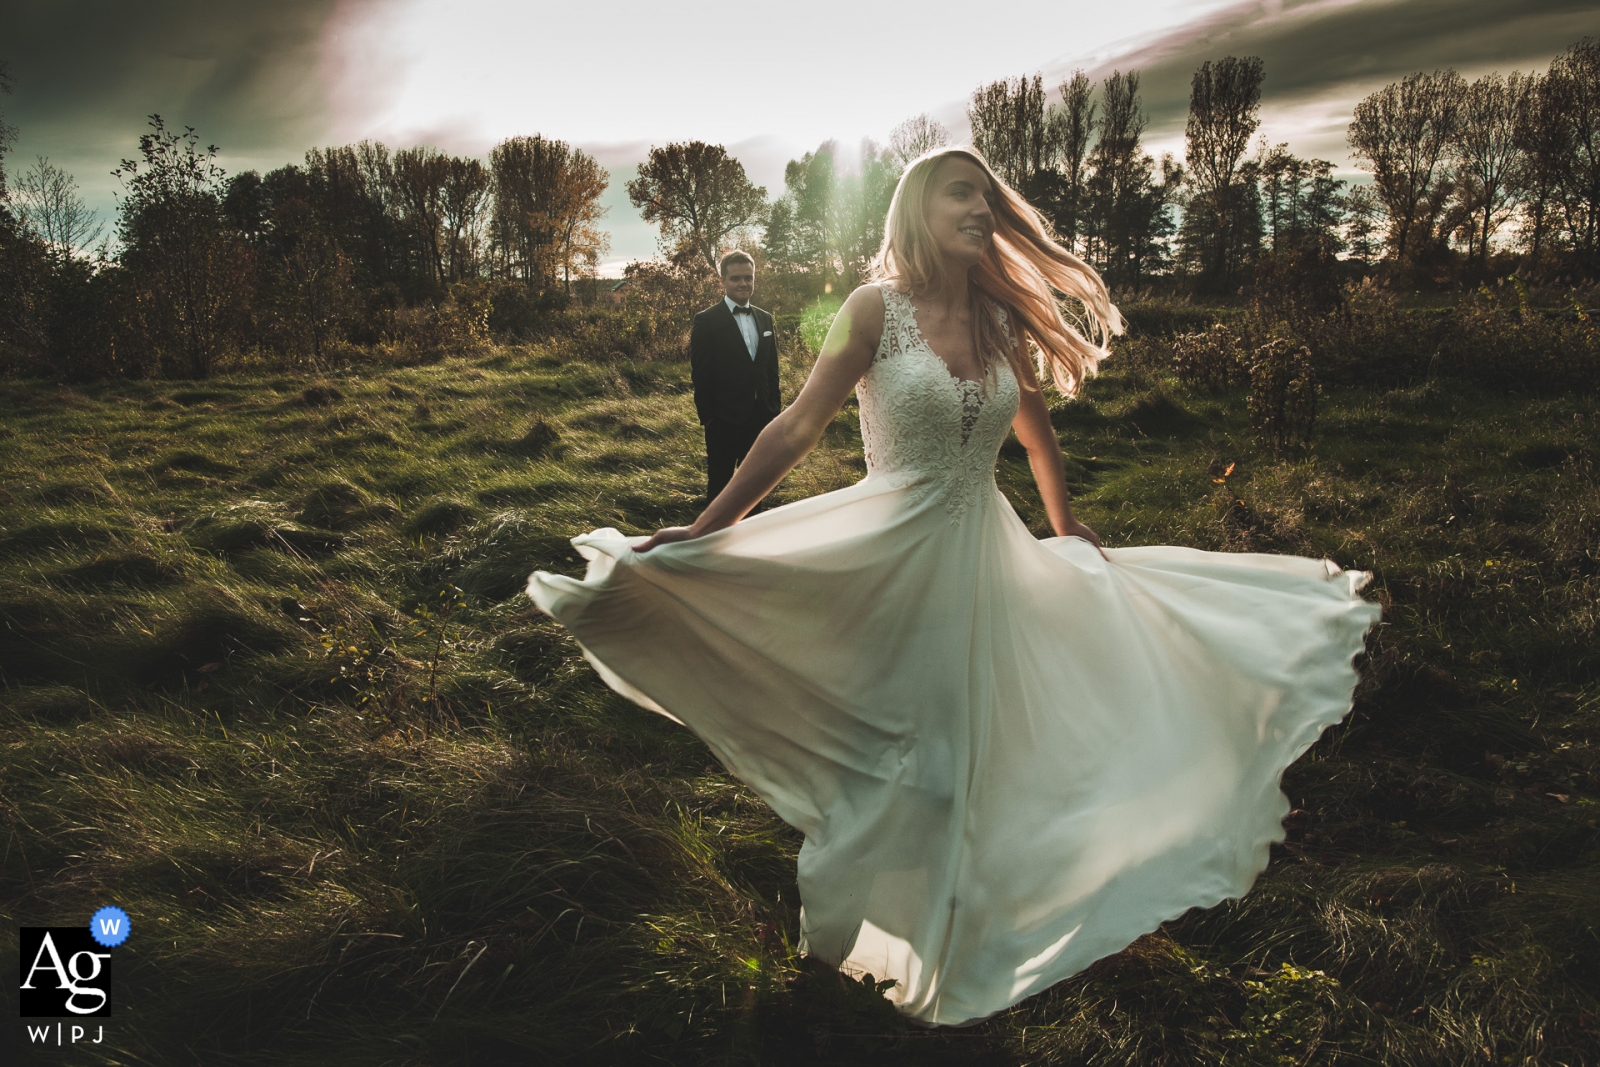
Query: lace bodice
(920, 424)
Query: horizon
(338, 71)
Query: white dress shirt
(746, 324)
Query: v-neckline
(922, 339)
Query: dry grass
(358, 822)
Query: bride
(1009, 756)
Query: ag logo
(64, 972)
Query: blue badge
(109, 926)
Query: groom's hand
(666, 537)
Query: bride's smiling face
(960, 215)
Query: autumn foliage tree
(189, 269)
(417, 182)
(698, 195)
(579, 240)
(546, 209)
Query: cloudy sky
(265, 81)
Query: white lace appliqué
(924, 427)
(971, 406)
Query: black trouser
(727, 443)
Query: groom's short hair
(736, 256)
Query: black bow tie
(742, 309)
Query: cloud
(88, 74)
(1322, 56)
(241, 72)
(266, 80)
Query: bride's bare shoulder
(863, 311)
(868, 296)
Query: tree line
(359, 243)
(342, 249)
(1469, 180)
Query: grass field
(270, 686)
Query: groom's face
(739, 282)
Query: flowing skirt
(1009, 757)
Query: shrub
(456, 326)
(602, 335)
(1209, 359)
(520, 310)
(1299, 284)
(1143, 359)
(1499, 340)
(1372, 341)
(1283, 396)
(672, 293)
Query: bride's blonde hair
(1021, 274)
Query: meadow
(271, 686)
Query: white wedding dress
(1009, 757)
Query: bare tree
(1402, 134)
(1224, 112)
(1011, 129)
(49, 206)
(1545, 137)
(1577, 70)
(698, 195)
(915, 136)
(1487, 154)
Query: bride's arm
(1038, 436)
(846, 355)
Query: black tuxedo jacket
(728, 385)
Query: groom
(733, 359)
